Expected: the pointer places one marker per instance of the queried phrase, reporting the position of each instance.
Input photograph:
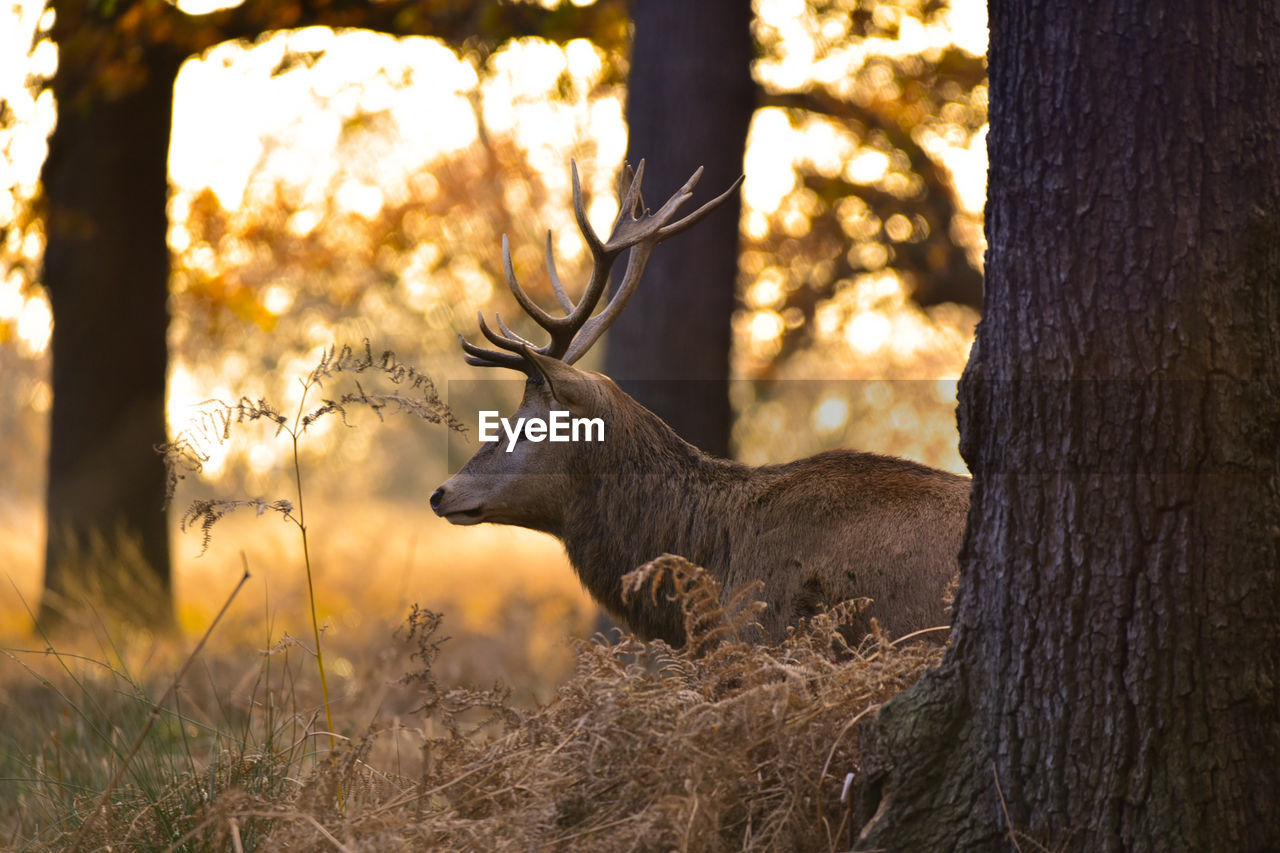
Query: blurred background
(345, 171)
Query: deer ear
(567, 384)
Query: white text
(558, 427)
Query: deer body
(813, 532)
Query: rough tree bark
(1114, 676)
(690, 98)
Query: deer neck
(650, 495)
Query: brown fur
(814, 532)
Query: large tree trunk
(690, 99)
(106, 269)
(1114, 677)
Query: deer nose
(436, 497)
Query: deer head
(523, 481)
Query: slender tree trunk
(689, 102)
(1114, 676)
(106, 269)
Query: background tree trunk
(106, 268)
(1114, 678)
(690, 98)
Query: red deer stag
(814, 532)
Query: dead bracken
(722, 745)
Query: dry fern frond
(463, 712)
(827, 629)
(212, 427)
(707, 622)
(209, 512)
(425, 403)
(189, 450)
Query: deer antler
(574, 333)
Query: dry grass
(510, 595)
(734, 746)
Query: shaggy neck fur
(683, 497)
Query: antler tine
(681, 224)
(542, 318)
(514, 337)
(602, 255)
(561, 329)
(633, 227)
(628, 177)
(595, 327)
(481, 357)
(580, 213)
(631, 205)
(515, 362)
(561, 296)
(511, 343)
